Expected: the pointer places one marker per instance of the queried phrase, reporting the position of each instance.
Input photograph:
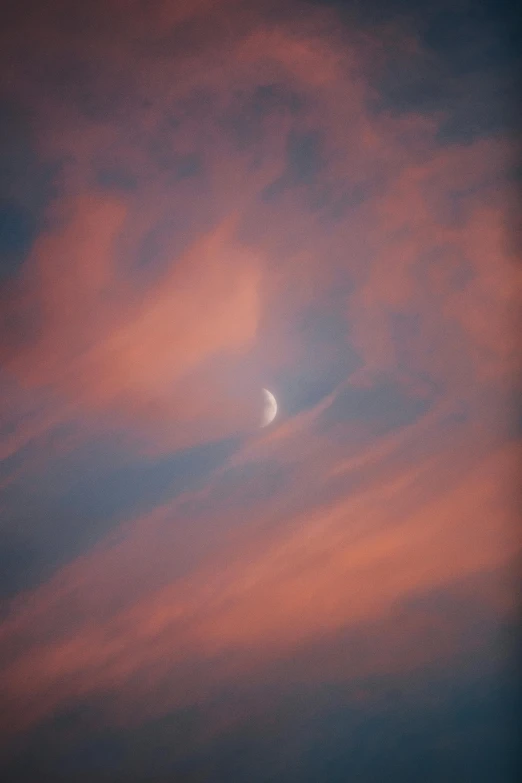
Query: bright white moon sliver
(270, 408)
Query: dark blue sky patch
(248, 112)
(336, 207)
(451, 28)
(18, 230)
(429, 728)
(410, 84)
(17, 557)
(26, 185)
(273, 190)
(467, 67)
(304, 157)
(188, 165)
(117, 178)
(47, 523)
(77, 744)
(155, 248)
(384, 405)
(163, 154)
(169, 238)
(304, 161)
(74, 744)
(471, 34)
(483, 104)
(327, 356)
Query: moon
(270, 408)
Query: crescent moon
(270, 409)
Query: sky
(201, 200)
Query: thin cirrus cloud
(297, 571)
(224, 218)
(107, 344)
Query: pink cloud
(298, 568)
(318, 525)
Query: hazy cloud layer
(204, 200)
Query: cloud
(301, 566)
(228, 217)
(295, 188)
(108, 344)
